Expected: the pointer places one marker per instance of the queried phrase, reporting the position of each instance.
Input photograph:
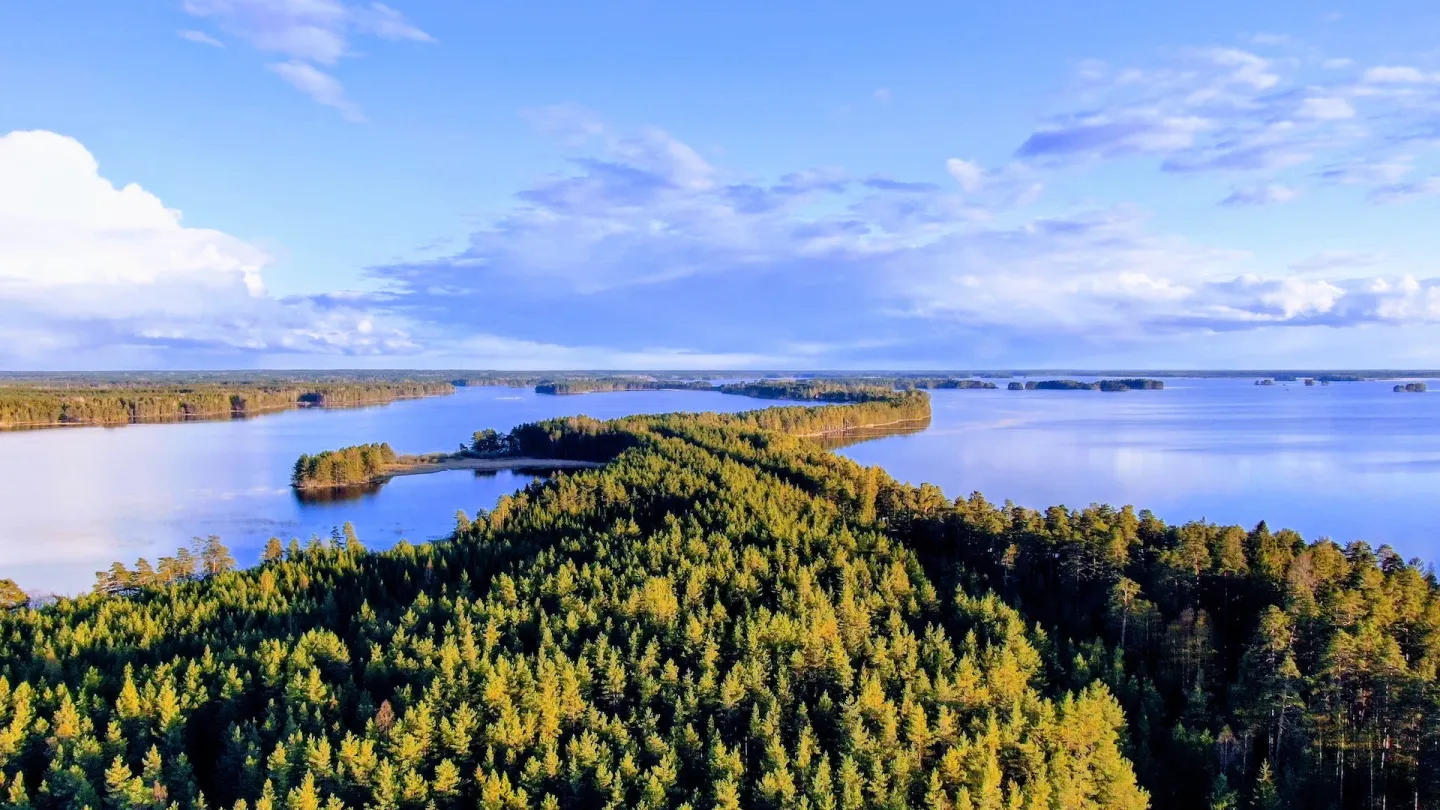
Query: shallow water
(1348, 460)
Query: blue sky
(610, 185)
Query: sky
(350, 184)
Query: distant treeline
(607, 385)
(44, 404)
(944, 383)
(811, 390)
(1131, 384)
(348, 465)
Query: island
(1127, 384)
(363, 464)
(1412, 388)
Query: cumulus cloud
(306, 33)
(646, 241)
(86, 266)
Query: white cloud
(86, 266)
(970, 176)
(319, 85)
(1399, 75)
(306, 33)
(1403, 192)
(63, 225)
(202, 38)
(1264, 194)
(1322, 108)
(1369, 172)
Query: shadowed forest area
(727, 615)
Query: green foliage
(357, 464)
(66, 402)
(611, 384)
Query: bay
(1349, 461)
(73, 500)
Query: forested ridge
(726, 615)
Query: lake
(1348, 460)
(73, 500)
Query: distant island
(1411, 388)
(1129, 384)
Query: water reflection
(354, 492)
(848, 438)
(75, 499)
(1348, 461)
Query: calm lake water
(1349, 460)
(73, 500)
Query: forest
(606, 385)
(358, 464)
(1126, 384)
(813, 390)
(726, 615)
(70, 402)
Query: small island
(364, 464)
(1412, 388)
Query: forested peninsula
(726, 615)
(52, 404)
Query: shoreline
(854, 428)
(420, 465)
